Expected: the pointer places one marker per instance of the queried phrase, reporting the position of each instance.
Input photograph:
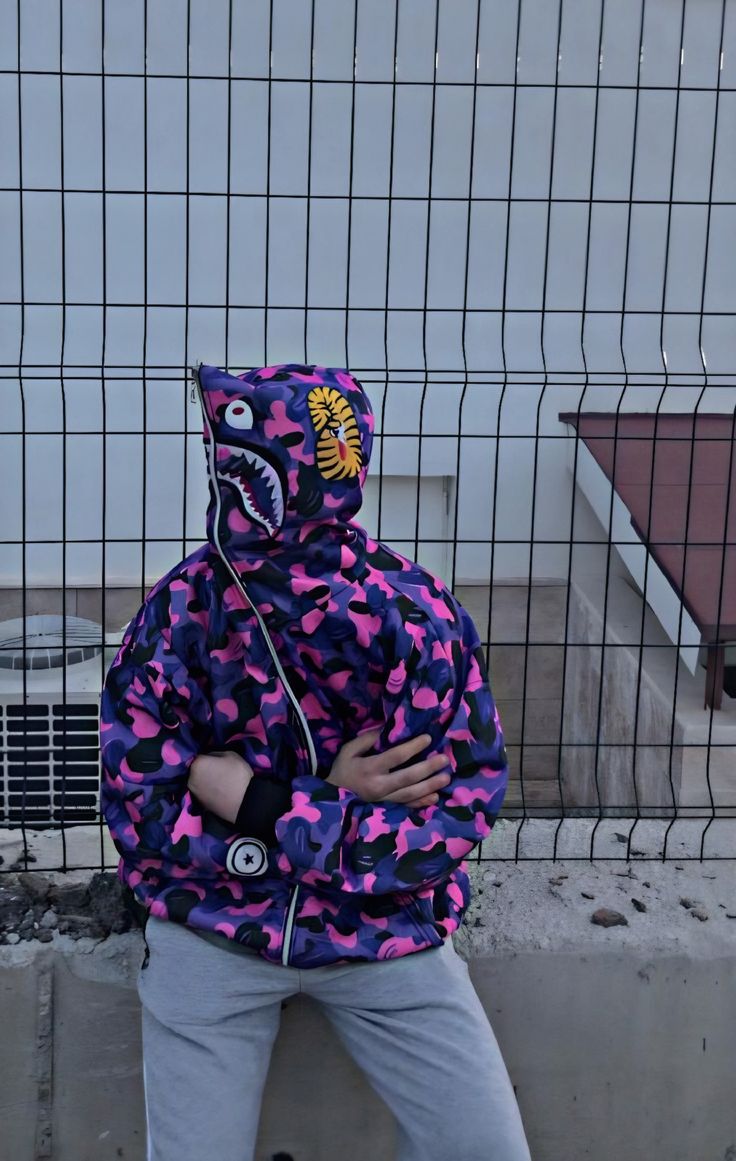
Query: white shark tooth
(264, 472)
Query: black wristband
(264, 801)
(140, 913)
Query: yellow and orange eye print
(339, 454)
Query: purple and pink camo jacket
(287, 633)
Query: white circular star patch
(247, 856)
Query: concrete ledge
(619, 1041)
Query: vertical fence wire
(351, 166)
(502, 393)
(23, 453)
(310, 118)
(228, 176)
(466, 281)
(660, 401)
(103, 387)
(576, 446)
(266, 300)
(466, 284)
(619, 402)
(187, 258)
(425, 303)
(64, 476)
(389, 223)
(721, 584)
(537, 436)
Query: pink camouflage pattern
(366, 639)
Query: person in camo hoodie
(300, 748)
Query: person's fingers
(364, 742)
(428, 800)
(396, 755)
(436, 765)
(405, 794)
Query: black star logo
(248, 859)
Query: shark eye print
(239, 415)
(339, 453)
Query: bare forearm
(219, 780)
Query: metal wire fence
(514, 221)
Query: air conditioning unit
(50, 762)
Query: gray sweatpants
(414, 1025)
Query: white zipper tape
(279, 669)
(289, 926)
(212, 453)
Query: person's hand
(373, 778)
(219, 780)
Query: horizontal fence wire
(511, 222)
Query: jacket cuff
(140, 913)
(264, 801)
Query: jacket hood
(288, 449)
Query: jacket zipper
(289, 926)
(291, 908)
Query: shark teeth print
(257, 469)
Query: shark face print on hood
(287, 633)
(288, 451)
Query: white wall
(530, 305)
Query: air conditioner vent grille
(50, 764)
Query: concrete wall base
(619, 1041)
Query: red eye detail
(238, 410)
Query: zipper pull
(193, 377)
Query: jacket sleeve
(154, 719)
(331, 838)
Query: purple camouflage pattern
(366, 638)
